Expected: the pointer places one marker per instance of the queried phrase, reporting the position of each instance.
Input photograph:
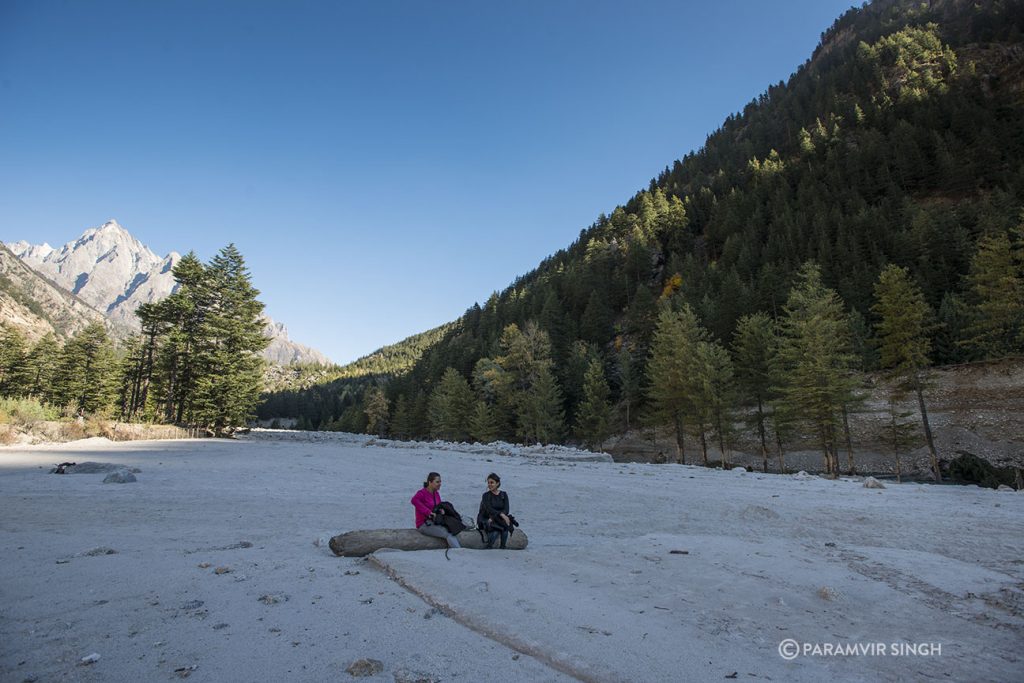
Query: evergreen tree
(950, 346)
(571, 377)
(595, 323)
(419, 422)
(755, 345)
(177, 359)
(815, 358)
(670, 371)
(540, 416)
(997, 288)
(401, 427)
(526, 384)
(228, 355)
(483, 426)
(451, 406)
(713, 393)
(899, 432)
(84, 378)
(629, 384)
(13, 356)
(41, 365)
(593, 417)
(143, 363)
(493, 385)
(376, 410)
(903, 342)
(553, 321)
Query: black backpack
(445, 515)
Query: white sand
(597, 595)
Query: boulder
(119, 477)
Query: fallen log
(365, 541)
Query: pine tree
(816, 360)
(41, 365)
(904, 346)
(595, 323)
(143, 366)
(84, 377)
(540, 410)
(899, 432)
(376, 410)
(493, 384)
(713, 393)
(953, 319)
(593, 417)
(400, 421)
(996, 283)
(483, 426)
(177, 360)
(670, 372)
(629, 384)
(526, 385)
(232, 338)
(13, 356)
(571, 377)
(755, 345)
(451, 406)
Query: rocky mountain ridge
(110, 272)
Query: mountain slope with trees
(196, 362)
(899, 143)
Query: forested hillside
(196, 361)
(898, 147)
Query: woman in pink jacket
(424, 502)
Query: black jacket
(491, 508)
(445, 515)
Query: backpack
(445, 515)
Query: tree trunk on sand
(782, 454)
(936, 472)
(760, 431)
(721, 443)
(849, 442)
(680, 435)
(364, 542)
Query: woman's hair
(495, 477)
(430, 477)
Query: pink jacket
(424, 502)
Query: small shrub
(25, 411)
(72, 431)
(8, 435)
(70, 411)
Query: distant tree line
(196, 362)
(884, 175)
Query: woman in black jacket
(493, 517)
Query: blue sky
(381, 165)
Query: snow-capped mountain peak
(108, 268)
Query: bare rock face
(107, 268)
(283, 351)
(36, 306)
(114, 273)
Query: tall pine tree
(903, 341)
